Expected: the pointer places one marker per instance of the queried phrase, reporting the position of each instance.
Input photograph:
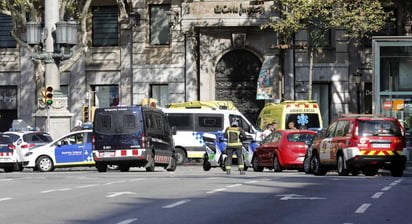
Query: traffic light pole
(48, 118)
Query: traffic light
(85, 114)
(48, 95)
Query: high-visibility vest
(233, 137)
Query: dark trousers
(239, 153)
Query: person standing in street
(234, 135)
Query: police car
(71, 150)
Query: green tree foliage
(358, 17)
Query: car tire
(397, 170)
(307, 165)
(276, 164)
(8, 169)
(44, 164)
(255, 165)
(180, 156)
(370, 170)
(151, 168)
(124, 167)
(316, 167)
(172, 166)
(341, 165)
(101, 167)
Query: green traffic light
(49, 102)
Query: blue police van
(132, 136)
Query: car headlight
(28, 154)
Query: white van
(191, 124)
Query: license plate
(381, 146)
(106, 154)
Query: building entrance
(236, 80)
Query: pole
(48, 118)
(51, 17)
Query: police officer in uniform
(234, 135)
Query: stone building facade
(178, 51)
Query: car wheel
(341, 166)
(255, 164)
(44, 164)
(276, 165)
(306, 165)
(206, 163)
(172, 166)
(180, 156)
(8, 169)
(370, 171)
(151, 168)
(355, 172)
(19, 167)
(316, 167)
(124, 167)
(397, 171)
(101, 167)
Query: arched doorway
(236, 80)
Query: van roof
(199, 111)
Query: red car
(283, 149)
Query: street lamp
(52, 44)
(357, 78)
(66, 37)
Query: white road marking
(234, 185)
(137, 179)
(5, 199)
(86, 186)
(285, 197)
(363, 208)
(115, 194)
(251, 182)
(6, 179)
(127, 221)
(176, 204)
(54, 190)
(216, 190)
(377, 195)
(387, 188)
(115, 182)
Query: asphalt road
(191, 195)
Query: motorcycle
(215, 155)
(214, 151)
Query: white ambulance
(193, 119)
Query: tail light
(143, 141)
(27, 146)
(12, 147)
(93, 142)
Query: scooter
(215, 147)
(249, 148)
(217, 158)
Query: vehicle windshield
(379, 128)
(300, 137)
(303, 121)
(121, 122)
(37, 138)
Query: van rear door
(118, 128)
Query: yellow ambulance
(304, 114)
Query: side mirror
(173, 130)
